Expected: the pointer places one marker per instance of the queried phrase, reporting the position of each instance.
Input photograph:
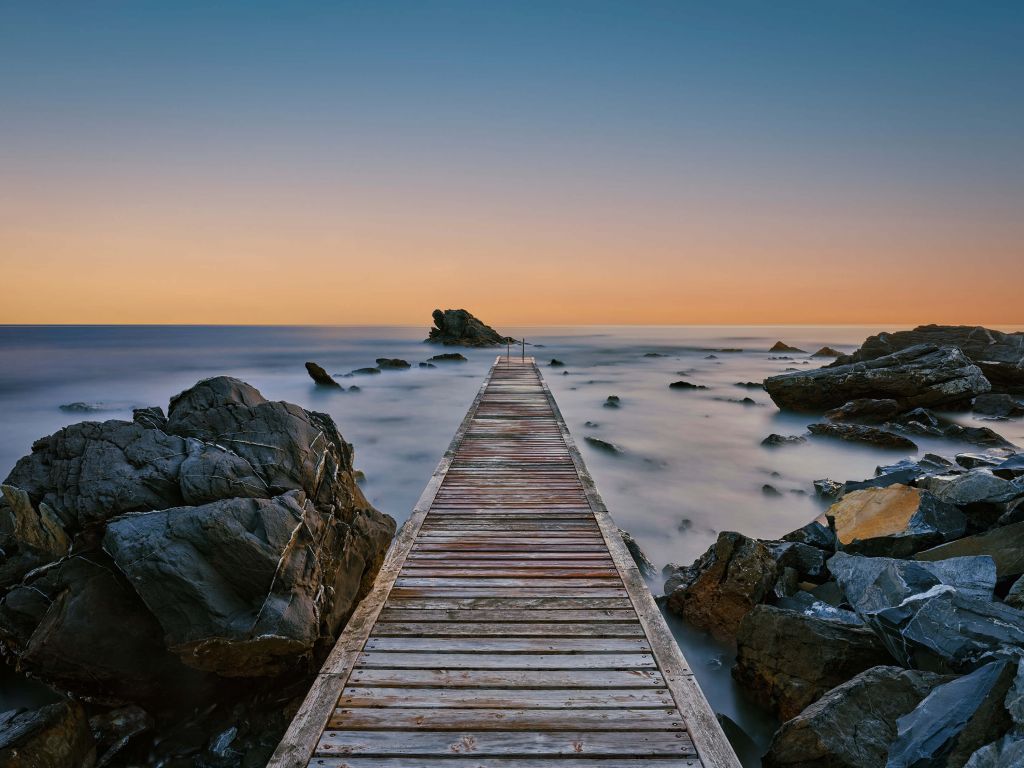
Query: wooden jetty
(509, 627)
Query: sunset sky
(535, 162)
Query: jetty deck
(509, 627)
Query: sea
(688, 465)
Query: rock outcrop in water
(457, 327)
(152, 563)
(999, 355)
(920, 376)
(321, 377)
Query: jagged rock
(1007, 752)
(807, 561)
(999, 355)
(894, 521)
(28, 537)
(1011, 468)
(321, 377)
(921, 421)
(924, 376)
(865, 411)
(115, 728)
(809, 605)
(457, 327)
(777, 441)
(976, 460)
(54, 736)
(858, 433)
(826, 488)
(715, 593)
(787, 660)
(814, 534)
(152, 417)
(780, 346)
(1001, 405)
(975, 486)
(647, 569)
(954, 720)
(853, 724)
(827, 352)
(602, 445)
(1004, 545)
(1015, 597)
(685, 385)
(449, 357)
(872, 584)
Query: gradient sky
(535, 162)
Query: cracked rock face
(230, 538)
(920, 376)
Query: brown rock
(321, 377)
(54, 736)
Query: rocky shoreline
(889, 631)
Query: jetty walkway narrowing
(508, 627)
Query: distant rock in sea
(458, 327)
(685, 385)
(448, 357)
(321, 377)
(392, 364)
(365, 372)
(83, 407)
(781, 346)
(827, 352)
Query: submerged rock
(853, 724)
(921, 421)
(777, 441)
(727, 581)
(895, 521)
(865, 411)
(781, 346)
(826, 488)
(955, 719)
(54, 736)
(392, 364)
(827, 352)
(858, 433)
(612, 401)
(602, 445)
(923, 375)
(685, 385)
(449, 357)
(457, 327)
(556, 363)
(365, 372)
(786, 660)
(320, 376)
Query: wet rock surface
(54, 736)
(458, 327)
(858, 433)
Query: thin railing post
(523, 358)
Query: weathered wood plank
(506, 645)
(473, 761)
(522, 678)
(455, 718)
(429, 658)
(537, 698)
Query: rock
(354, 388)
(115, 728)
(872, 584)
(427, 365)
(750, 384)
(685, 385)
(28, 537)
(895, 521)
(809, 605)
(807, 561)
(787, 660)
(865, 411)
(654, 354)
(975, 460)
(1002, 405)
(717, 591)
(924, 376)
(80, 407)
(152, 417)
(827, 352)
(858, 433)
(612, 401)
(770, 490)
(643, 563)
(449, 357)
(392, 364)
(999, 355)
(321, 377)
(853, 724)
(780, 346)
(973, 487)
(457, 327)
(814, 534)
(921, 421)
(954, 720)
(1007, 752)
(54, 736)
(1004, 545)
(365, 372)
(1011, 468)
(710, 357)
(556, 363)
(827, 488)
(777, 441)
(602, 445)
(1015, 597)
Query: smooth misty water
(691, 463)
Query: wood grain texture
(509, 627)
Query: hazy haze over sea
(691, 464)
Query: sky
(590, 162)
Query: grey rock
(114, 729)
(954, 720)
(775, 440)
(816, 535)
(448, 357)
(612, 401)
(151, 417)
(826, 488)
(924, 375)
(978, 485)
(643, 563)
(858, 433)
(1004, 545)
(457, 327)
(976, 460)
(602, 445)
(392, 364)
(29, 537)
(809, 605)
(685, 385)
(1001, 405)
(80, 407)
(426, 365)
(1000, 355)
(1007, 752)
(786, 660)
(865, 411)
(210, 472)
(321, 377)
(923, 422)
(365, 372)
(853, 724)
(556, 363)
(1011, 468)
(807, 561)
(1015, 597)
(54, 736)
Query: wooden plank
(523, 678)
(473, 761)
(430, 658)
(532, 698)
(585, 616)
(505, 645)
(507, 629)
(455, 718)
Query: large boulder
(1004, 545)
(925, 376)
(852, 725)
(1000, 355)
(718, 590)
(228, 539)
(894, 521)
(457, 327)
(955, 719)
(786, 660)
(54, 736)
